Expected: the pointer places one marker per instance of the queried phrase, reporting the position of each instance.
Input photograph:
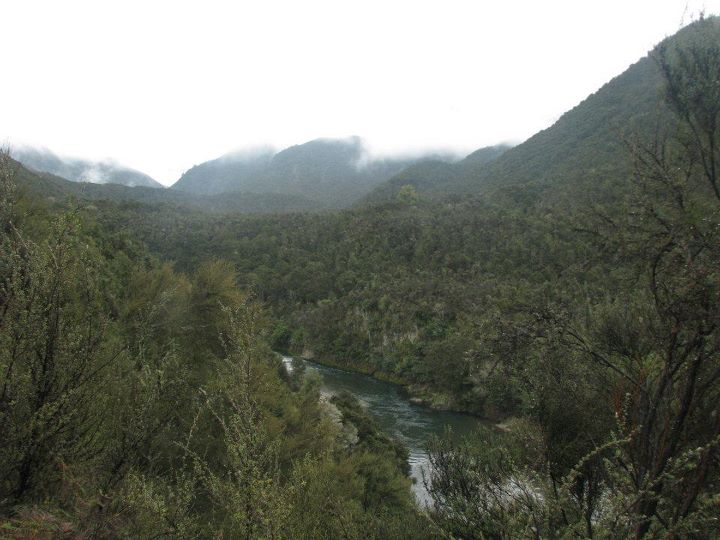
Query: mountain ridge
(52, 188)
(82, 170)
(583, 149)
(334, 172)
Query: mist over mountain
(334, 172)
(230, 172)
(582, 153)
(81, 170)
(430, 175)
(53, 189)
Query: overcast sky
(161, 86)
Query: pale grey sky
(163, 85)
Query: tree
(408, 194)
(662, 348)
(53, 351)
(247, 483)
(648, 352)
(691, 71)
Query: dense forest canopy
(567, 289)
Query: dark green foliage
(407, 290)
(54, 358)
(584, 148)
(474, 492)
(434, 176)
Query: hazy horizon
(162, 87)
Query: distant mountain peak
(333, 172)
(106, 171)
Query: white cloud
(161, 86)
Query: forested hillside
(587, 144)
(333, 173)
(80, 170)
(47, 185)
(430, 175)
(402, 289)
(586, 149)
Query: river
(397, 416)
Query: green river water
(391, 407)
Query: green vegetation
(437, 177)
(567, 288)
(138, 402)
(621, 430)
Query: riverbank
(419, 394)
(400, 418)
